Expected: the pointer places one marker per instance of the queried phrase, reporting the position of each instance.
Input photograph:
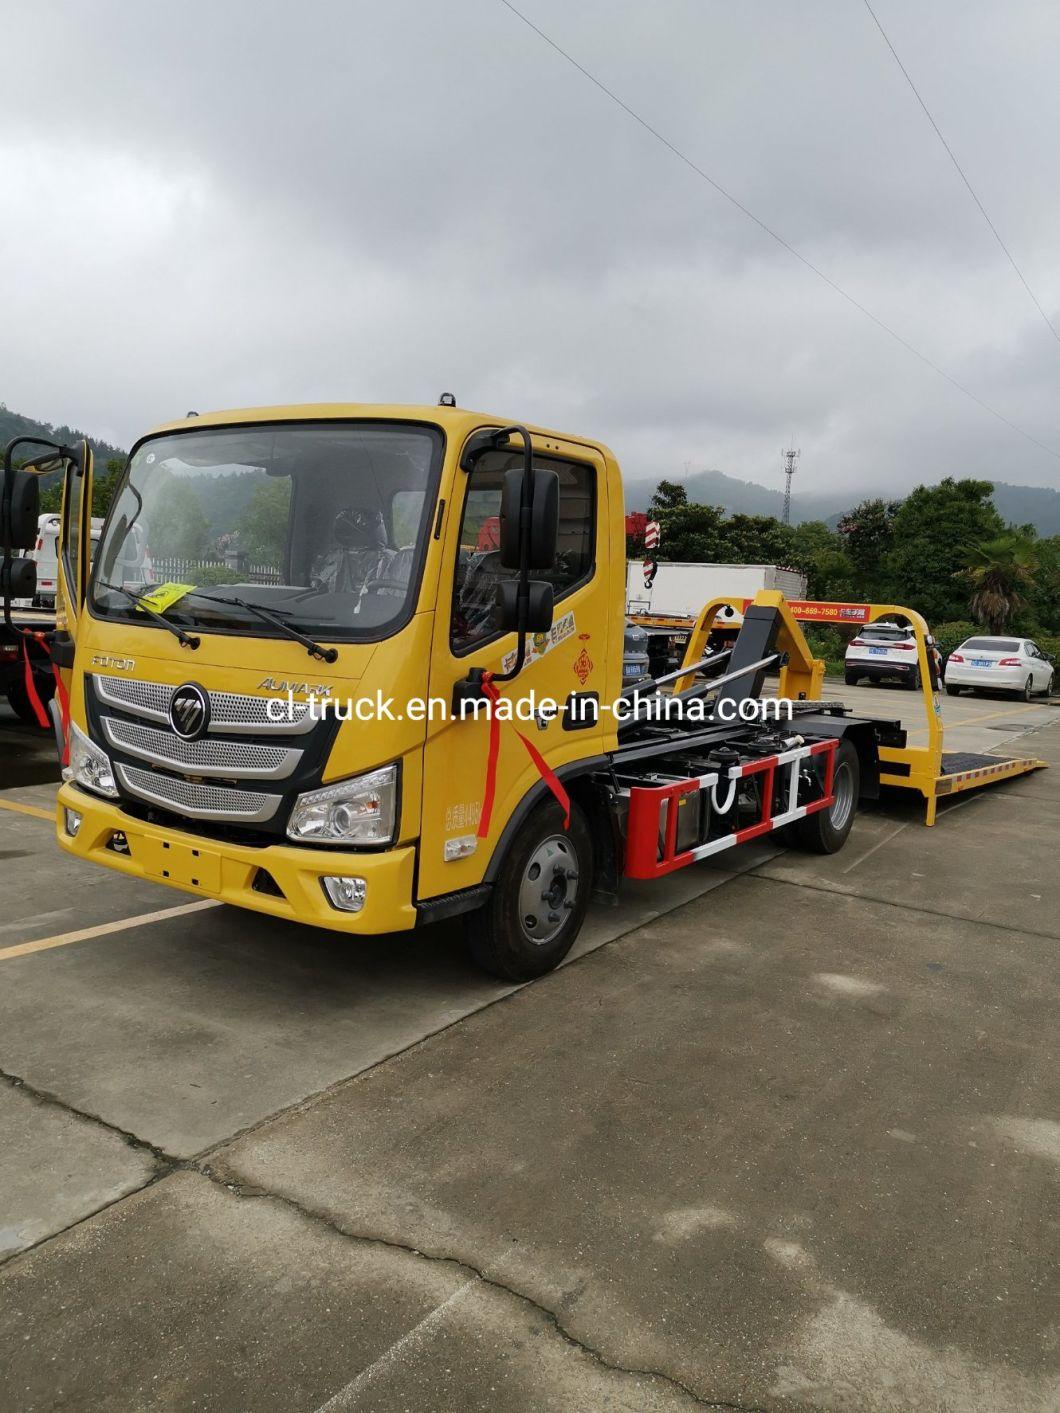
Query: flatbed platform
(965, 770)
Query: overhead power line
(961, 173)
(803, 260)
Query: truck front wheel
(18, 699)
(539, 897)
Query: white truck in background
(667, 610)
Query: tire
(913, 683)
(1028, 690)
(953, 691)
(851, 679)
(498, 936)
(826, 831)
(23, 707)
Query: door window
(478, 566)
(71, 536)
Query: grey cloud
(279, 203)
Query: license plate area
(877, 652)
(981, 662)
(179, 863)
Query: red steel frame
(643, 856)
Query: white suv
(882, 650)
(1000, 664)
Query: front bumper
(213, 868)
(1001, 679)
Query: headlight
(358, 811)
(89, 766)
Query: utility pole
(791, 455)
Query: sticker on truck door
(539, 644)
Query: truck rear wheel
(825, 832)
(539, 897)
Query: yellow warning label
(164, 596)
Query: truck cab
(364, 532)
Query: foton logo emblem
(189, 711)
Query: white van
(46, 556)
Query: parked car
(880, 651)
(635, 669)
(1001, 665)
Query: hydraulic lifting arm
(920, 762)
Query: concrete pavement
(785, 1139)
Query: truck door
(570, 658)
(74, 554)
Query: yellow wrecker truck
(361, 667)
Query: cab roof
(458, 421)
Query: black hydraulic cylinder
(757, 639)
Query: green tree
(820, 554)
(931, 530)
(757, 539)
(179, 529)
(51, 498)
(105, 485)
(691, 533)
(1001, 572)
(263, 525)
(868, 535)
(1045, 595)
(668, 495)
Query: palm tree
(999, 570)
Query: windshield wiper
(186, 640)
(312, 648)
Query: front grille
(233, 759)
(197, 801)
(142, 698)
(230, 712)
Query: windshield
(323, 524)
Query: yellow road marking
(103, 929)
(35, 810)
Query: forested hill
(1017, 505)
(14, 424)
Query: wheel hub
(549, 889)
(843, 793)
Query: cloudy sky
(215, 205)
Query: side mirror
(24, 511)
(544, 520)
(540, 606)
(508, 537)
(18, 579)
